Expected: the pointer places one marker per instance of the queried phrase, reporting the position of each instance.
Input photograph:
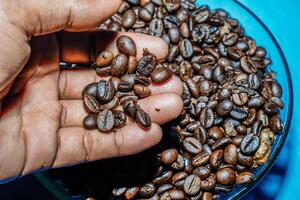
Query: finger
(72, 82)
(76, 48)
(158, 107)
(79, 145)
(41, 17)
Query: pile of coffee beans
(232, 101)
(110, 101)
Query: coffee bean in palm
(114, 26)
(129, 19)
(250, 144)
(106, 91)
(126, 45)
(130, 108)
(91, 89)
(104, 58)
(124, 86)
(142, 91)
(147, 64)
(90, 122)
(91, 104)
(142, 118)
(120, 119)
(146, 12)
(161, 74)
(103, 71)
(169, 156)
(119, 65)
(186, 48)
(105, 121)
(224, 107)
(147, 190)
(113, 104)
(192, 185)
(132, 64)
(192, 145)
(225, 176)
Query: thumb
(23, 19)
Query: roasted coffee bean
(120, 119)
(119, 191)
(207, 196)
(171, 21)
(103, 71)
(221, 143)
(230, 39)
(254, 81)
(276, 89)
(229, 129)
(215, 133)
(113, 104)
(194, 88)
(209, 183)
(250, 144)
(186, 48)
(202, 172)
(179, 163)
(142, 80)
(247, 65)
(142, 91)
(164, 188)
(129, 19)
(105, 121)
(178, 177)
(224, 94)
(133, 2)
(104, 58)
(176, 195)
(91, 89)
(131, 193)
(240, 99)
(124, 86)
(256, 128)
(156, 27)
(90, 122)
(244, 177)
(174, 35)
(237, 140)
(161, 74)
(230, 154)
(147, 190)
(201, 134)
(162, 179)
(251, 117)
(206, 117)
(192, 145)
(106, 91)
(130, 108)
(126, 45)
(173, 53)
(192, 185)
(169, 156)
(147, 64)
(201, 159)
(239, 114)
(224, 107)
(276, 124)
(236, 54)
(216, 159)
(184, 30)
(146, 12)
(263, 153)
(143, 119)
(185, 70)
(245, 160)
(119, 65)
(91, 104)
(226, 176)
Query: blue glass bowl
(255, 28)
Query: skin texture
(41, 109)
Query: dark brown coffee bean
(129, 19)
(133, 2)
(113, 104)
(236, 54)
(275, 124)
(244, 177)
(245, 160)
(224, 107)
(256, 102)
(106, 91)
(156, 27)
(131, 193)
(90, 103)
(179, 163)
(169, 156)
(209, 183)
(202, 172)
(126, 45)
(247, 65)
(250, 144)
(185, 70)
(147, 64)
(194, 88)
(171, 21)
(254, 81)
(216, 159)
(119, 191)
(184, 30)
(221, 143)
(174, 35)
(114, 26)
(173, 53)
(90, 122)
(239, 114)
(143, 119)
(147, 190)
(162, 179)
(201, 159)
(146, 12)
(201, 134)
(130, 108)
(230, 154)
(91, 89)
(224, 94)
(276, 89)
(240, 99)
(192, 145)
(119, 65)
(103, 71)
(237, 140)
(226, 176)
(192, 185)
(104, 58)
(120, 119)
(176, 195)
(206, 117)
(229, 129)
(215, 133)
(230, 39)
(124, 86)
(178, 177)
(186, 48)
(142, 91)
(105, 121)
(143, 80)
(256, 128)
(164, 188)
(161, 74)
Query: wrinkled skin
(41, 109)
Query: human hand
(41, 109)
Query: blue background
(283, 181)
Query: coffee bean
(119, 65)
(161, 74)
(276, 89)
(178, 177)
(224, 107)
(263, 153)
(226, 176)
(238, 114)
(119, 191)
(179, 163)
(209, 183)
(130, 108)
(174, 35)
(90, 122)
(230, 154)
(244, 177)
(142, 91)
(125, 86)
(105, 121)
(201, 159)
(250, 144)
(256, 128)
(230, 39)
(171, 21)
(206, 117)
(192, 145)
(129, 19)
(169, 156)
(185, 70)
(120, 119)
(147, 64)
(103, 71)
(192, 185)
(91, 104)
(131, 192)
(221, 143)
(216, 158)
(164, 188)
(126, 45)
(229, 129)
(202, 172)
(143, 80)
(184, 30)
(143, 119)
(275, 124)
(106, 91)
(91, 89)
(254, 81)
(113, 104)
(240, 99)
(176, 194)
(194, 88)
(147, 190)
(156, 27)
(104, 58)
(215, 133)
(247, 65)
(162, 179)
(186, 48)
(245, 160)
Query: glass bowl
(255, 28)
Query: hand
(41, 108)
